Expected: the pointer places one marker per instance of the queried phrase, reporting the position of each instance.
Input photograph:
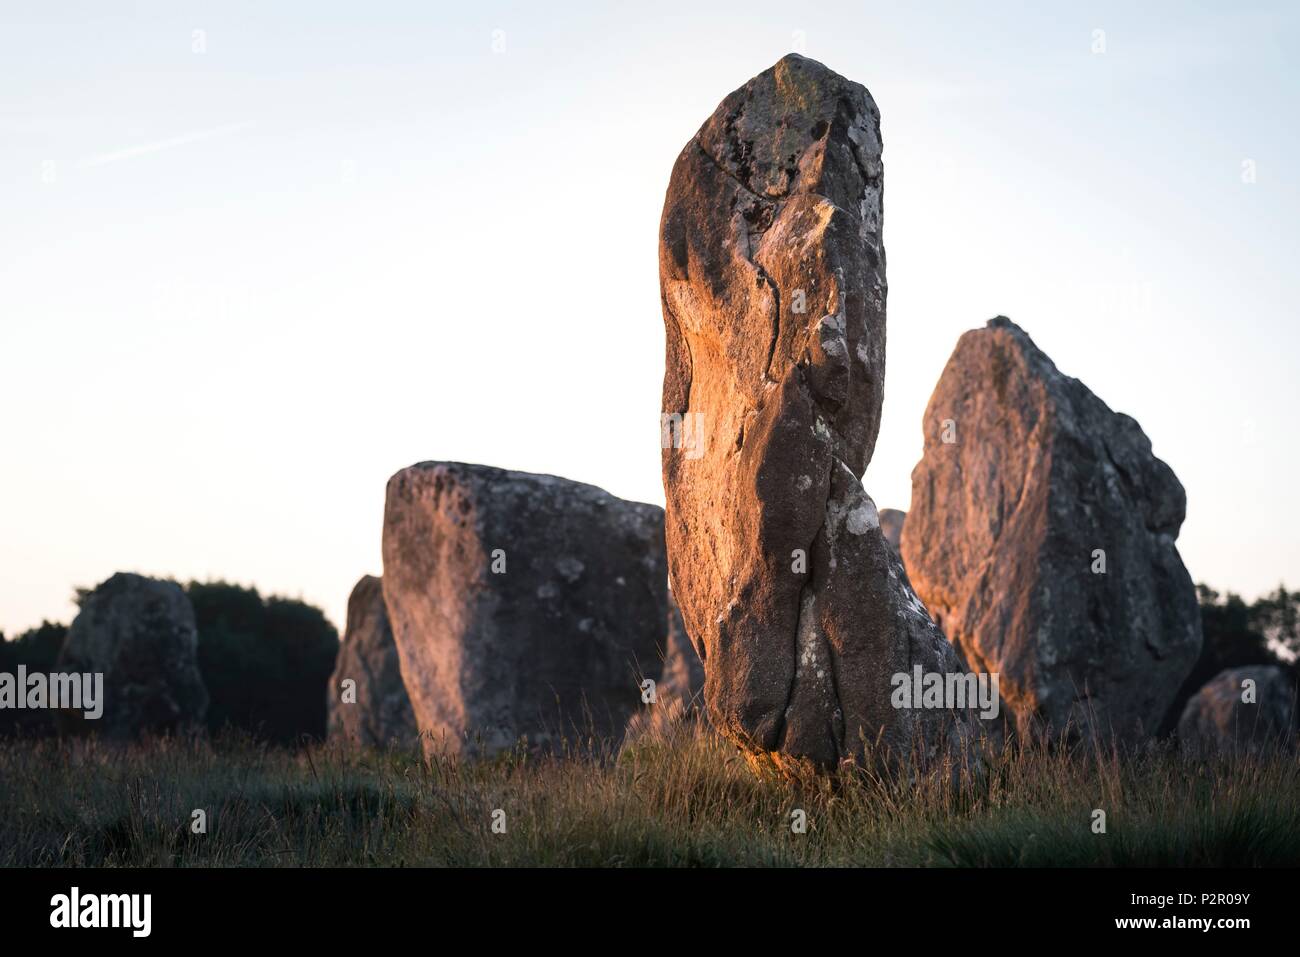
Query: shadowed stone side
(381, 714)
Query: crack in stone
(730, 175)
(776, 320)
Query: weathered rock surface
(381, 714)
(1217, 718)
(522, 605)
(1028, 483)
(140, 634)
(772, 276)
(891, 524)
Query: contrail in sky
(145, 148)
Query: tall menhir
(772, 277)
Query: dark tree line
(266, 663)
(37, 648)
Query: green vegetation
(685, 800)
(265, 662)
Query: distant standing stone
(140, 633)
(1219, 718)
(891, 526)
(679, 690)
(381, 714)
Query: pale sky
(248, 273)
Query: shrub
(37, 649)
(266, 662)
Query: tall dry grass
(679, 799)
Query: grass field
(683, 800)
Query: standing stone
(381, 714)
(140, 634)
(891, 524)
(522, 605)
(1217, 718)
(772, 278)
(1041, 537)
